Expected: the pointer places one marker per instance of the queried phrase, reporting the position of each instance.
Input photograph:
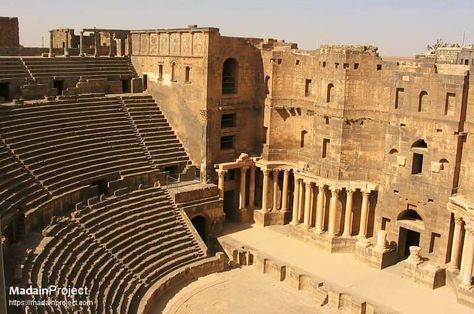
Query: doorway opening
(145, 82)
(126, 86)
(229, 203)
(101, 185)
(4, 92)
(406, 239)
(199, 223)
(59, 85)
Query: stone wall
(9, 32)
(166, 56)
(356, 131)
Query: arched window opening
(229, 76)
(419, 148)
(444, 163)
(419, 144)
(393, 151)
(303, 134)
(329, 91)
(422, 101)
(409, 214)
(267, 87)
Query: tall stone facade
(183, 69)
(9, 32)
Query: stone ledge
(425, 273)
(324, 293)
(182, 276)
(370, 255)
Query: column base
(266, 218)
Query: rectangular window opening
(228, 120)
(326, 142)
(307, 87)
(187, 74)
(399, 97)
(227, 142)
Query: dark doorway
(229, 203)
(199, 223)
(4, 92)
(406, 239)
(145, 82)
(59, 85)
(102, 186)
(126, 86)
(172, 170)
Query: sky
(397, 27)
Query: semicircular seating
(117, 248)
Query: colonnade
(242, 186)
(82, 53)
(309, 197)
(304, 212)
(462, 257)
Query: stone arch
(422, 100)
(409, 214)
(329, 93)
(421, 143)
(393, 151)
(303, 138)
(229, 76)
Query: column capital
(334, 189)
(221, 172)
(469, 226)
(366, 193)
(266, 171)
(276, 170)
(286, 171)
(244, 168)
(458, 220)
(350, 191)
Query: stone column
(469, 255)
(364, 214)
(348, 214)
(66, 46)
(454, 263)
(96, 43)
(302, 196)
(51, 40)
(320, 209)
(243, 186)
(284, 194)
(81, 44)
(112, 43)
(332, 211)
(220, 183)
(296, 193)
(252, 188)
(307, 204)
(266, 173)
(275, 189)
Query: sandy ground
(240, 291)
(386, 286)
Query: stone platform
(386, 287)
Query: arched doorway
(411, 224)
(199, 223)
